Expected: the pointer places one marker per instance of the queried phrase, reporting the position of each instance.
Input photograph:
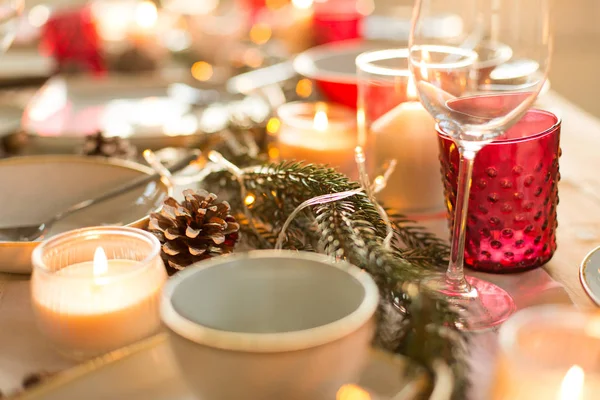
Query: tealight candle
(319, 133)
(97, 289)
(549, 352)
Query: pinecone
(112, 146)
(198, 228)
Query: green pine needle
(419, 326)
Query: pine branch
(414, 323)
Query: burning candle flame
(572, 384)
(100, 262)
(411, 89)
(321, 122)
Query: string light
(202, 71)
(260, 33)
(304, 88)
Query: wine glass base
(486, 305)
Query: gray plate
(589, 274)
(37, 187)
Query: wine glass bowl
(477, 81)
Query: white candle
(318, 133)
(96, 306)
(407, 133)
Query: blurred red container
(514, 194)
(337, 20)
(71, 37)
(332, 67)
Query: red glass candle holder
(337, 20)
(71, 37)
(514, 194)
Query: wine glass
(477, 75)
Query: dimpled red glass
(512, 206)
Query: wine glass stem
(455, 275)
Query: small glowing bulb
(302, 4)
(260, 33)
(572, 384)
(273, 153)
(273, 126)
(202, 71)
(146, 14)
(249, 200)
(38, 15)
(352, 392)
(321, 122)
(304, 88)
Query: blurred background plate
(147, 371)
(149, 111)
(34, 188)
(25, 67)
(589, 274)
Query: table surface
(579, 191)
(23, 349)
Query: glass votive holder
(514, 194)
(97, 289)
(392, 124)
(316, 132)
(548, 352)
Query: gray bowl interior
(278, 295)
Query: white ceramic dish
(147, 371)
(35, 188)
(589, 275)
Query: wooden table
(579, 191)
(23, 349)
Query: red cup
(337, 20)
(514, 194)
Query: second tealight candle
(319, 133)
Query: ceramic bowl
(37, 187)
(270, 325)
